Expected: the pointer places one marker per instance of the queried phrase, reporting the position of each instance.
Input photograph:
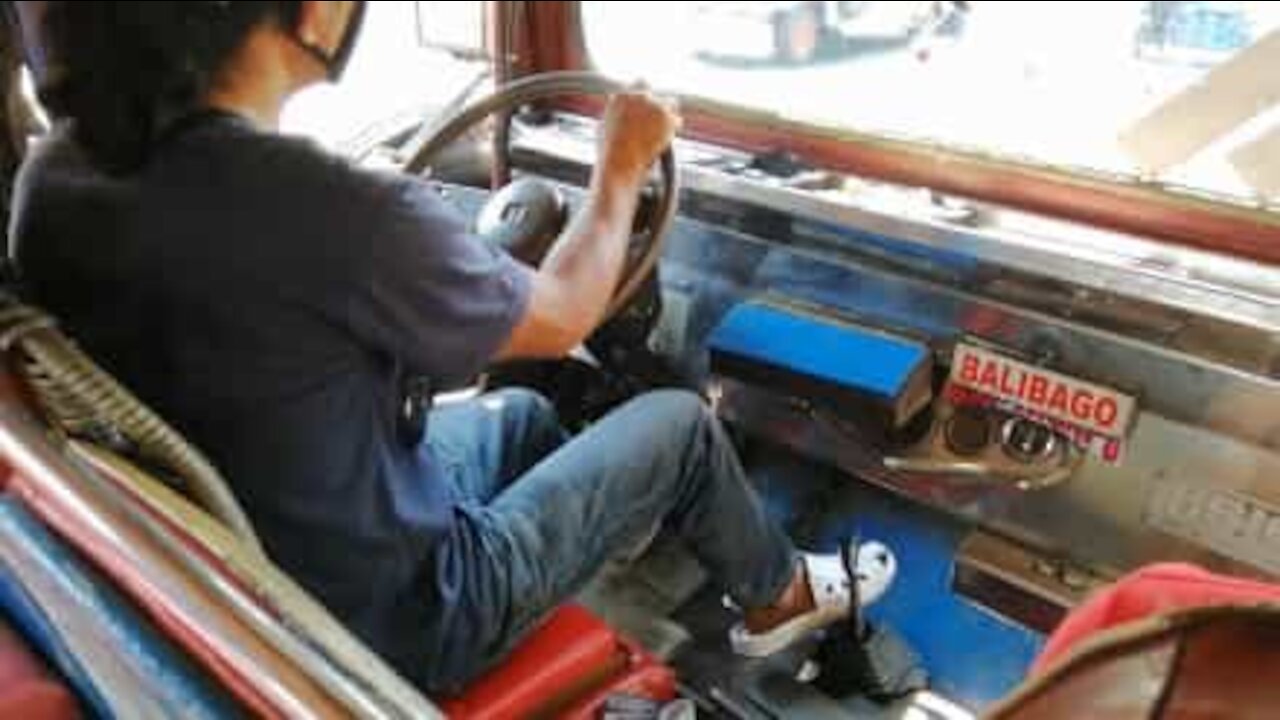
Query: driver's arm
(572, 288)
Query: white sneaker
(832, 595)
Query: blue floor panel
(972, 656)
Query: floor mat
(972, 655)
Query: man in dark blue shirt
(271, 301)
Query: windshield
(1181, 92)
(392, 76)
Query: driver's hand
(637, 128)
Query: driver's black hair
(122, 71)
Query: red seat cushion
(1150, 591)
(645, 677)
(572, 653)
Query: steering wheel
(527, 215)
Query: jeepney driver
(270, 300)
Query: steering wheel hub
(521, 217)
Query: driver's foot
(819, 594)
(796, 599)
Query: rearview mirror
(457, 28)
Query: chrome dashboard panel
(1195, 337)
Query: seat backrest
(81, 399)
(88, 409)
(1207, 662)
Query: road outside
(1051, 81)
(1054, 81)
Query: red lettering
(1082, 405)
(1022, 386)
(1060, 398)
(964, 397)
(991, 377)
(1080, 436)
(1111, 451)
(1106, 412)
(969, 365)
(1005, 388)
(1039, 391)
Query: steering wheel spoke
(527, 215)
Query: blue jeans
(538, 516)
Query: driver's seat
(567, 668)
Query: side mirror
(457, 28)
